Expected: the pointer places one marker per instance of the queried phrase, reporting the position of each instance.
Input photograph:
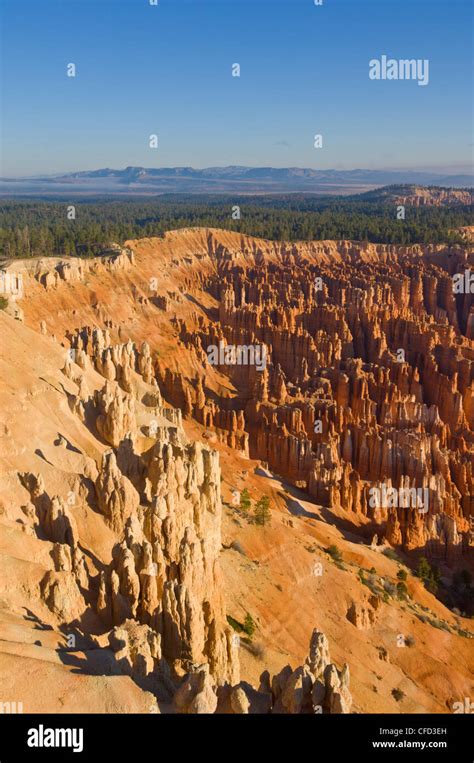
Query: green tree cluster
(430, 575)
(41, 227)
(249, 625)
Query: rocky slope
(120, 440)
(417, 196)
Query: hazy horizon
(460, 169)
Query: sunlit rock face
(344, 368)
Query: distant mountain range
(232, 179)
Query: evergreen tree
(245, 501)
(423, 570)
(262, 511)
(249, 625)
(402, 590)
(430, 576)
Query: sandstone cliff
(119, 436)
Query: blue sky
(167, 70)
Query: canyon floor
(127, 563)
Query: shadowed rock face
(364, 388)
